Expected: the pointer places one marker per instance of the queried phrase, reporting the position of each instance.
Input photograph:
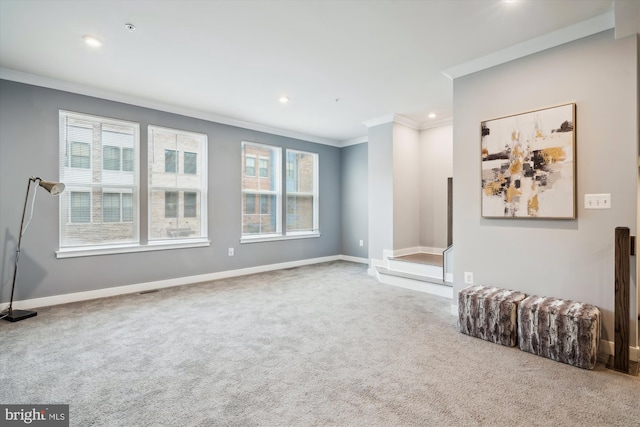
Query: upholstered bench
(489, 313)
(561, 330)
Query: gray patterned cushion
(489, 313)
(562, 330)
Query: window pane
(250, 166)
(264, 204)
(111, 207)
(190, 163)
(127, 207)
(250, 204)
(300, 213)
(262, 193)
(80, 155)
(80, 207)
(170, 204)
(301, 191)
(264, 168)
(170, 161)
(190, 204)
(177, 184)
(111, 158)
(92, 151)
(127, 159)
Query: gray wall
(406, 188)
(571, 259)
(380, 177)
(29, 146)
(354, 201)
(436, 165)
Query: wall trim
(51, 83)
(354, 259)
(160, 284)
(568, 34)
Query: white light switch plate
(597, 201)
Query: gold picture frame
(528, 164)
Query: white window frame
(81, 180)
(277, 192)
(140, 245)
(201, 169)
(281, 171)
(315, 195)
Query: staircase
(421, 272)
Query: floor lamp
(54, 188)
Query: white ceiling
(341, 63)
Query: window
(190, 204)
(80, 207)
(127, 207)
(302, 192)
(80, 155)
(99, 207)
(250, 203)
(111, 158)
(250, 165)
(111, 208)
(177, 184)
(170, 161)
(128, 159)
(264, 204)
(264, 168)
(171, 204)
(190, 162)
(266, 188)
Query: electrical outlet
(231, 252)
(468, 278)
(361, 242)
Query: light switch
(597, 201)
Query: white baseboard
(160, 284)
(354, 259)
(605, 348)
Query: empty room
(310, 213)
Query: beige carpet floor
(310, 346)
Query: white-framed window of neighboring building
(262, 191)
(302, 193)
(98, 165)
(249, 162)
(177, 190)
(117, 205)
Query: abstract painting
(528, 165)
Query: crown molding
(447, 121)
(568, 34)
(355, 141)
(392, 118)
(50, 83)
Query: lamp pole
(53, 188)
(15, 315)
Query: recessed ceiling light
(283, 99)
(432, 115)
(92, 41)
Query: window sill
(123, 249)
(278, 237)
